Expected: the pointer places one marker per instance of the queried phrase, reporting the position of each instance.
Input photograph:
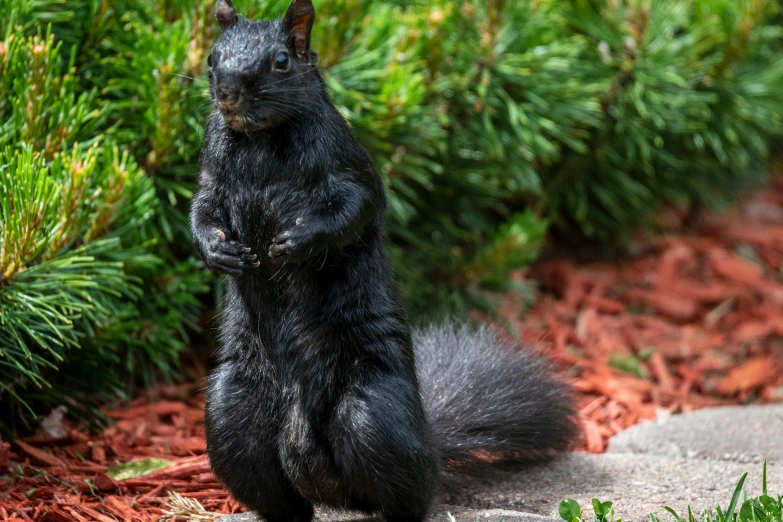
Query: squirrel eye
(209, 60)
(282, 62)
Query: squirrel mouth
(240, 124)
(234, 120)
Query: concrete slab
(638, 485)
(747, 434)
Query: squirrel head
(262, 73)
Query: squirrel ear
(297, 24)
(226, 14)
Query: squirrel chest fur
(319, 396)
(267, 187)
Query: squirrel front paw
(295, 244)
(229, 257)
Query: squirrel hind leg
(243, 451)
(266, 492)
(382, 447)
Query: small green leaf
(735, 498)
(721, 516)
(603, 510)
(674, 513)
(772, 506)
(747, 511)
(137, 468)
(628, 363)
(569, 510)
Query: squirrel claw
(279, 250)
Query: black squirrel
(320, 396)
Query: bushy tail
(491, 406)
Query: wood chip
(39, 455)
(752, 374)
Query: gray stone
(637, 484)
(486, 515)
(746, 434)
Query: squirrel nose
(227, 97)
(226, 105)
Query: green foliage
(688, 110)
(571, 511)
(86, 301)
(490, 121)
(763, 508)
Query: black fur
(316, 398)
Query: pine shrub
(89, 299)
(491, 121)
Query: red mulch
(65, 479)
(701, 315)
(695, 322)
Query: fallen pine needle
(183, 509)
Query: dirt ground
(695, 321)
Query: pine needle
(183, 509)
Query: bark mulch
(696, 321)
